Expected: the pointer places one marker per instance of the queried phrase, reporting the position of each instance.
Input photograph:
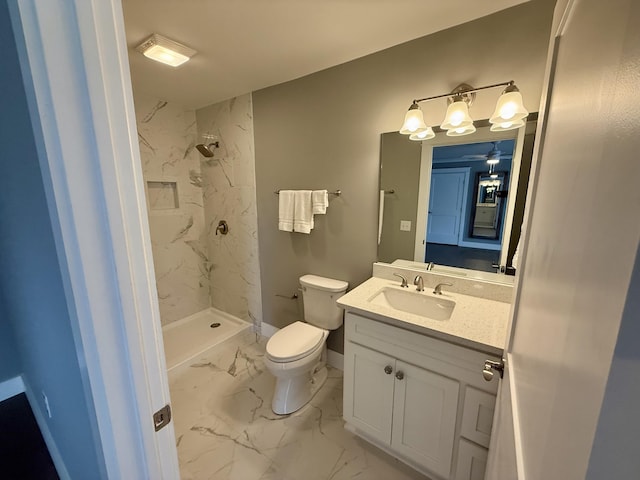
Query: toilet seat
(294, 342)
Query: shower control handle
(222, 227)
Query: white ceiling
(246, 45)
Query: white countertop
(476, 323)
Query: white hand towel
(380, 216)
(285, 210)
(302, 211)
(319, 201)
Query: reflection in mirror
(453, 203)
(486, 218)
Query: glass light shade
(504, 126)
(165, 50)
(413, 121)
(424, 135)
(509, 108)
(457, 116)
(458, 132)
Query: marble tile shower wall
(171, 169)
(229, 191)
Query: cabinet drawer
(477, 416)
(472, 461)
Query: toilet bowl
(296, 355)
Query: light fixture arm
(510, 86)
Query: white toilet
(296, 355)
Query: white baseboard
(335, 359)
(34, 402)
(267, 330)
(11, 388)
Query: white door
(445, 206)
(424, 421)
(368, 391)
(582, 236)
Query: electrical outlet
(405, 225)
(46, 404)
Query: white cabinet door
(477, 416)
(472, 461)
(424, 419)
(368, 391)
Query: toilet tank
(319, 295)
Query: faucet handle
(438, 289)
(419, 282)
(404, 280)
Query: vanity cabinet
(421, 399)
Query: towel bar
(337, 193)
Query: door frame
(74, 62)
(483, 134)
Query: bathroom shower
(207, 150)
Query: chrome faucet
(404, 280)
(419, 282)
(438, 289)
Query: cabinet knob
(388, 369)
(399, 375)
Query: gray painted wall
(323, 131)
(31, 283)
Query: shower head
(207, 150)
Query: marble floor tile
(225, 429)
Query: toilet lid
(294, 341)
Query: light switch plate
(405, 225)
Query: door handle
(490, 367)
(399, 375)
(388, 370)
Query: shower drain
(215, 325)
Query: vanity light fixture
(423, 135)
(457, 116)
(504, 126)
(164, 50)
(460, 131)
(509, 107)
(413, 121)
(508, 115)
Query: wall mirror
(454, 201)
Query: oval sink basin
(417, 303)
